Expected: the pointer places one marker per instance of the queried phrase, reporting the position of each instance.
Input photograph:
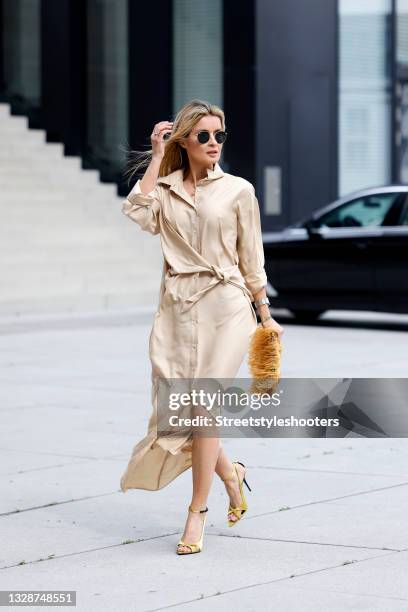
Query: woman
(209, 225)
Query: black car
(351, 254)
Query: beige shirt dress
(213, 264)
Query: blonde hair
(175, 156)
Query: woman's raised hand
(156, 137)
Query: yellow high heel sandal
(239, 511)
(195, 547)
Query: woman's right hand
(156, 138)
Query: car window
(404, 220)
(362, 212)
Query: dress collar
(175, 178)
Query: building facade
(315, 92)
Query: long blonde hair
(175, 156)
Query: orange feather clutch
(264, 355)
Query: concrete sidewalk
(326, 527)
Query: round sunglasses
(204, 136)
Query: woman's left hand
(275, 325)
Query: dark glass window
(198, 53)
(21, 53)
(107, 85)
(365, 87)
(363, 212)
(404, 219)
(401, 136)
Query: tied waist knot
(222, 275)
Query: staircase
(65, 243)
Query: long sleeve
(143, 208)
(249, 241)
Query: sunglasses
(204, 136)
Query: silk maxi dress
(213, 263)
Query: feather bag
(264, 359)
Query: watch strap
(264, 300)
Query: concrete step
(38, 180)
(102, 212)
(57, 193)
(30, 148)
(72, 279)
(4, 111)
(100, 226)
(94, 197)
(74, 234)
(13, 123)
(22, 139)
(57, 272)
(96, 254)
(66, 244)
(79, 303)
(121, 256)
(33, 163)
(22, 145)
(117, 242)
(65, 171)
(77, 288)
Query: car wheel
(307, 315)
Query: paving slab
(148, 575)
(384, 576)
(282, 594)
(326, 517)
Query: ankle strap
(192, 509)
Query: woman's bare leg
(205, 453)
(224, 468)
